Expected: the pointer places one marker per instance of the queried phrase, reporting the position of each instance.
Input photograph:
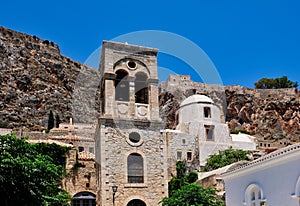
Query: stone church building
(135, 156)
(130, 148)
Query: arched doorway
(136, 202)
(84, 199)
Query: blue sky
(245, 40)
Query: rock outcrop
(269, 114)
(35, 78)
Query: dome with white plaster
(197, 98)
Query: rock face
(35, 78)
(270, 115)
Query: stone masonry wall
(115, 148)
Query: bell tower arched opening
(141, 88)
(121, 86)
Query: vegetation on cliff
(277, 83)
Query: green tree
(50, 121)
(192, 195)
(28, 177)
(224, 158)
(57, 121)
(183, 191)
(277, 83)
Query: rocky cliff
(35, 78)
(271, 115)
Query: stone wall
(112, 152)
(81, 174)
(183, 143)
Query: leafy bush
(183, 191)
(224, 158)
(193, 195)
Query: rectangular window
(91, 150)
(209, 132)
(80, 149)
(207, 112)
(189, 156)
(179, 155)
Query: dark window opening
(136, 202)
(84, 199)
(135, 168)
(179, 155)
(207, 112)
(189, 156)
(209, 131)
(121, 86)
(134, 137)
(131, 65)
(141, 89)
(80, 149)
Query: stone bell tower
(130, 149)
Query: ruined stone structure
(80, 166)
(130, 150)
(81, 181)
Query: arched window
(253, 196)
(121, 86)
(141, 88)
(135, 168)
(136, 202)
(84, 199)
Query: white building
(272, 180)
(199, 116)
(4, 131)
(243, 141)
(200, 133)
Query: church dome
(197, 98)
